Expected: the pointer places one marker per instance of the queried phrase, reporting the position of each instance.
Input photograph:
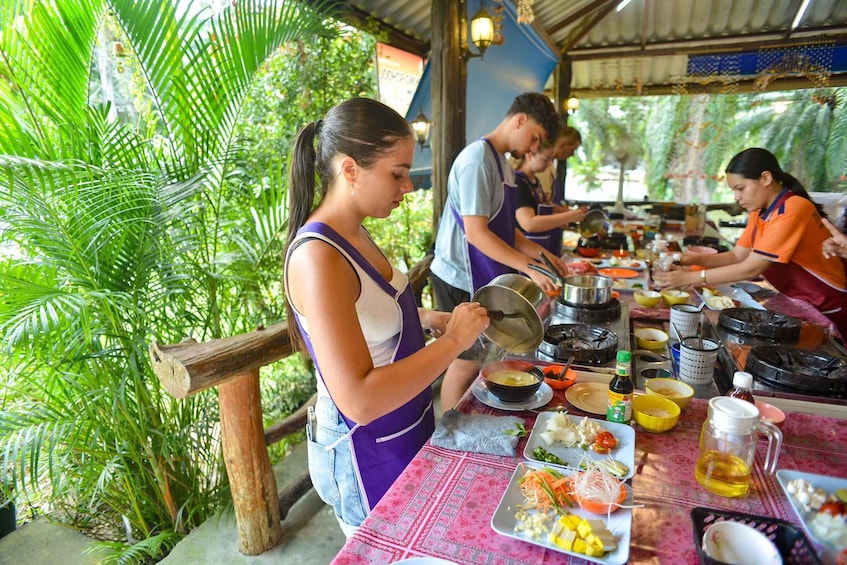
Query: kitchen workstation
(728, 446)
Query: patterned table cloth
(442, 504)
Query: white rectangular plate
(620, 523)
(624, 452)
(634, 264)
(739, 295)
(829, 484)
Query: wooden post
(251, 478)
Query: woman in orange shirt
(783, 241)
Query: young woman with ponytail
(356, 313)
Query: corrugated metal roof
(647, 46)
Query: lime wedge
(841, 494)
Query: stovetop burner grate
(798, 370)
(765, 324)
(589, 315)
(587, 344)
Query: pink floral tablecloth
(441, 506)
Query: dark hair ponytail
(361, 128)
(752, 162)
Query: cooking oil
(723, 473)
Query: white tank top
(379, 314)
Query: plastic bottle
(742, 385)
(619, 407)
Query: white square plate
(620, 523)
(624, 452)
(829, 484)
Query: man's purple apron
(502, 224)
(384, 447)
(551, 240)
(793, 280)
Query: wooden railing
(232, 364)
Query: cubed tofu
(566, 540)
(570, 521)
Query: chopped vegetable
(542, 454)
(545, 489)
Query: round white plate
(589, 397)
(543, 395)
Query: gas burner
(798, 370)
(589, 315)
(765, 324)
(588, 344)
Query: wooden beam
(189, 367)
(346, 12)
(587, 25)
(251, 477)
(449, 77)
(748, 85)
(579, 14)
(705, 46)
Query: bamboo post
(251, 478)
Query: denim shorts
(332, 471)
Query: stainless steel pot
(595, 222)
(587, 290)
(512, 293)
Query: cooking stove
(788, 358)
(592, 335)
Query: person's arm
(735, 255)
(532, 222)
(729, 266)
(324, 287)
(835, 245)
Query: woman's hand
(434, 321)
(675, 278)
(835, 245)
(466, 323)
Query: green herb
(542, 454)
(519, 430)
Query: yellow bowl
(647, 298)
(655, 413)
(650, 338)
(672, 297)
(676, 391)
(641, 253)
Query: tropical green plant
(122, 236)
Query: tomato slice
(599, 448)
(834, 508)
(607, 440)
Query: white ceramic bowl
(734, 542)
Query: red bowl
(588, 251)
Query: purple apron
(551, 240)
(384, 447)
(482, 268)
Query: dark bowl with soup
(512, 381)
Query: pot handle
(542, 270)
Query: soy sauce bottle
(742, 385)
(619, 407)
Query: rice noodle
(598, 485)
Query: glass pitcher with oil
(728, 446)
